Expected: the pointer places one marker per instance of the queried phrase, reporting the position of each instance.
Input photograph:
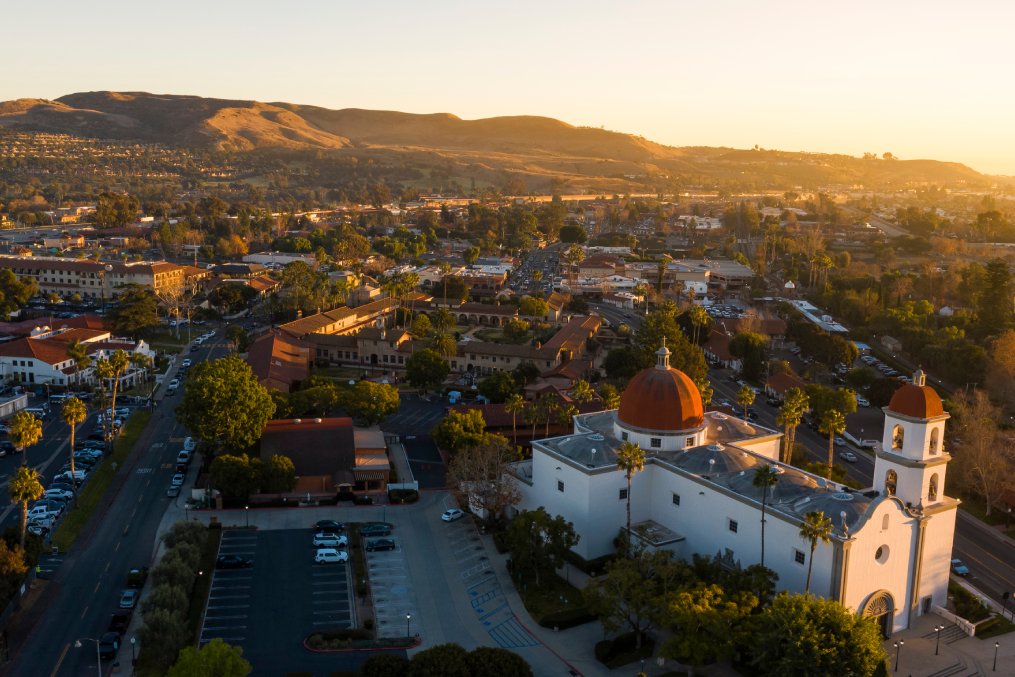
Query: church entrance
(881, 607)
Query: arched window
(932, 488)
(884, 523)
(898, 436)
(891, 480)
(935, 435)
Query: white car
(330, 556)
(186, 362)
(452, 514)
(329, 540)
(178, 479)
(189, 444)
(78, 475)
(862, 402)
(58, 493)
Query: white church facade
(890, 549)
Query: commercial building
(92, 279)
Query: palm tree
(745, 398)
(73, 412)
(574, 255)
(564, 413)
(664, 262)
(765, 478)
(630, 459)
(815, 527)
(546, 403)
(443, 321)
(699, 318)
(706, 390)
(112, 369)
(530, 414)
(581, 391)
(514, 405)
(641, 289)
(610, 397)
(23, 487)
(76, 351)
(791, 413)
(444, 268)
(832, 422)
(24, 431)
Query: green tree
(23, 487)
(995, 309)
(832, 423)
(498, 387)
(745, 398)
(163, 633)
(609, 395)
(24, 431)
(444, 344)
(622, 363)
(384, 665)
(237, 337)
(630, 459)
(765, 477)
(443, 660)
(224, 406)
(371, 402)
(699, 319)
(530, 306)
(470, 255)
(278, 475)
(14, 292)
(116, 210)
(421, 326)
(137, 309)
(662, 324)
(166, 596)
(73, 413)
(491, 661)
(815, 527)
(77, 352)
(514, 405)
(572, 233)
(235, 476)
(461, 430)
(111, 370)
(791, 413)
(708, 624)
(582, 392)
(12, 569)
(804, 635)
(443, 321)
(752, 349)
(539, 542)
(516, 330)
(426, 369)
(214, 659)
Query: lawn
(998, 626)
(554, 602)
(167, 340)
(98, 484)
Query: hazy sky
(923, 79)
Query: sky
(923, 79)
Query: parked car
(78, 475)
(232, 562)
(119, 622)
(136, 578)
(38, 530)
(452, 514)
(330, 556)
(189, 444)
(183, 457)
(380, 544)
(178, 479)
(840, 442)
(173, 492)
(376, 529)
(128, 600)
(6, 447)
(109, 644)
(331, 540)
(186, 362)
(328, 525)
(862, 402)
(848, 456)
(959, 568)
(58, 493)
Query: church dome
(662, 399)
(917, 399)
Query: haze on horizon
(917, 79)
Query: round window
(881, 555)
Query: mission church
(890, 550)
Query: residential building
(92, 279)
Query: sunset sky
(919, 79)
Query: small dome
(917, 399)
(661, 398)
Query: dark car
(109, 644)
(6, 447)
(328, 525)
(119, 622)
(376, 529)
(380, 544)
(232, 562)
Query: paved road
(86, 588)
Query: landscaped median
(93, 491)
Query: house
(44, 356)
(279, 361)
(778, 384)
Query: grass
(994, 628)
(98, 483)
(167, 340)
(553, 595)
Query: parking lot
(392, 593)
(245, 605)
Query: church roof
(661, 398)
(917, 399)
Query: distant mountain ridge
(525, 145)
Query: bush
(338, 639)
(592, 567)
(193, 533)
(172, 570)
(566, 618)
(384, 665)
(362, 500)
(966, 604)
(620, 651)
(403, 495)
(166, 596)
(500, 541)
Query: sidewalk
(967, 656)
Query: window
(932, 488)
(623, 494)
(676, 499)
(560, 486)
(891, 481)
(884, 523)
(934, 437)
(689, 442)
(898, 437)
(655, 442)
(623, 436)
(799, 557)
(733, 526)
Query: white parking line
(227, 618)
(235, 606)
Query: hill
(536, 149)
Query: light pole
(408, 617)
(898, 652)
(246, 512)
(98, 656)
(996, 644)
(937, 643)
(133, 655)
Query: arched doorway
(881, 607)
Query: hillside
(536, 149)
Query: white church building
(890, 549)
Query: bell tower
(911, 462)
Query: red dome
(663, 399)
(918, 401)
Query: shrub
(567, 618)
(384, 665)
(337, 639)
(166, 596)
(403, 495)
(620, 651)
(185, 532)
(173, 571)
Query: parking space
(392, 593)
(425, 461)
(230, 602)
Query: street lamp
(408, 617)
(898, 652)
(246, 511)
(937, 643)
(996, 644)
(133, 656)
(98, 656)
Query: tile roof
(279, 361)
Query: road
(86, 587)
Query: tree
(622, 362)
(12, 569)
(491, 661)
(477, 476)
(162, 635)
(662, 324)
(110, 370)
(609, 395)
(232, 297)
(572, 234)
(461, 430)
(426, 369)
(14, 292)
(765, 478)
(995, 309)
(985, 459)
(23, 487)
(745, 398)
(470, 255)
(237, 337)
(516, 330)
(235, 476)
(1001, 369)
(498, 387)
(224, 405)
(214, 659)
(385, 665)
(77, 352)
(791, 413)
(116, 210)
(832, 423)
(443, 660)
(574, 255)
(630, 459)
(530, 306)
(700, 319)
(278, 475)
(815, 527)
(582, 392)
(708, 623)
(539, 542)
(803, 635)
(421, 326)
(752, 349)
(137, 309)
(73, 413)
(371, 402)
(24, 431)
(514, 405)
